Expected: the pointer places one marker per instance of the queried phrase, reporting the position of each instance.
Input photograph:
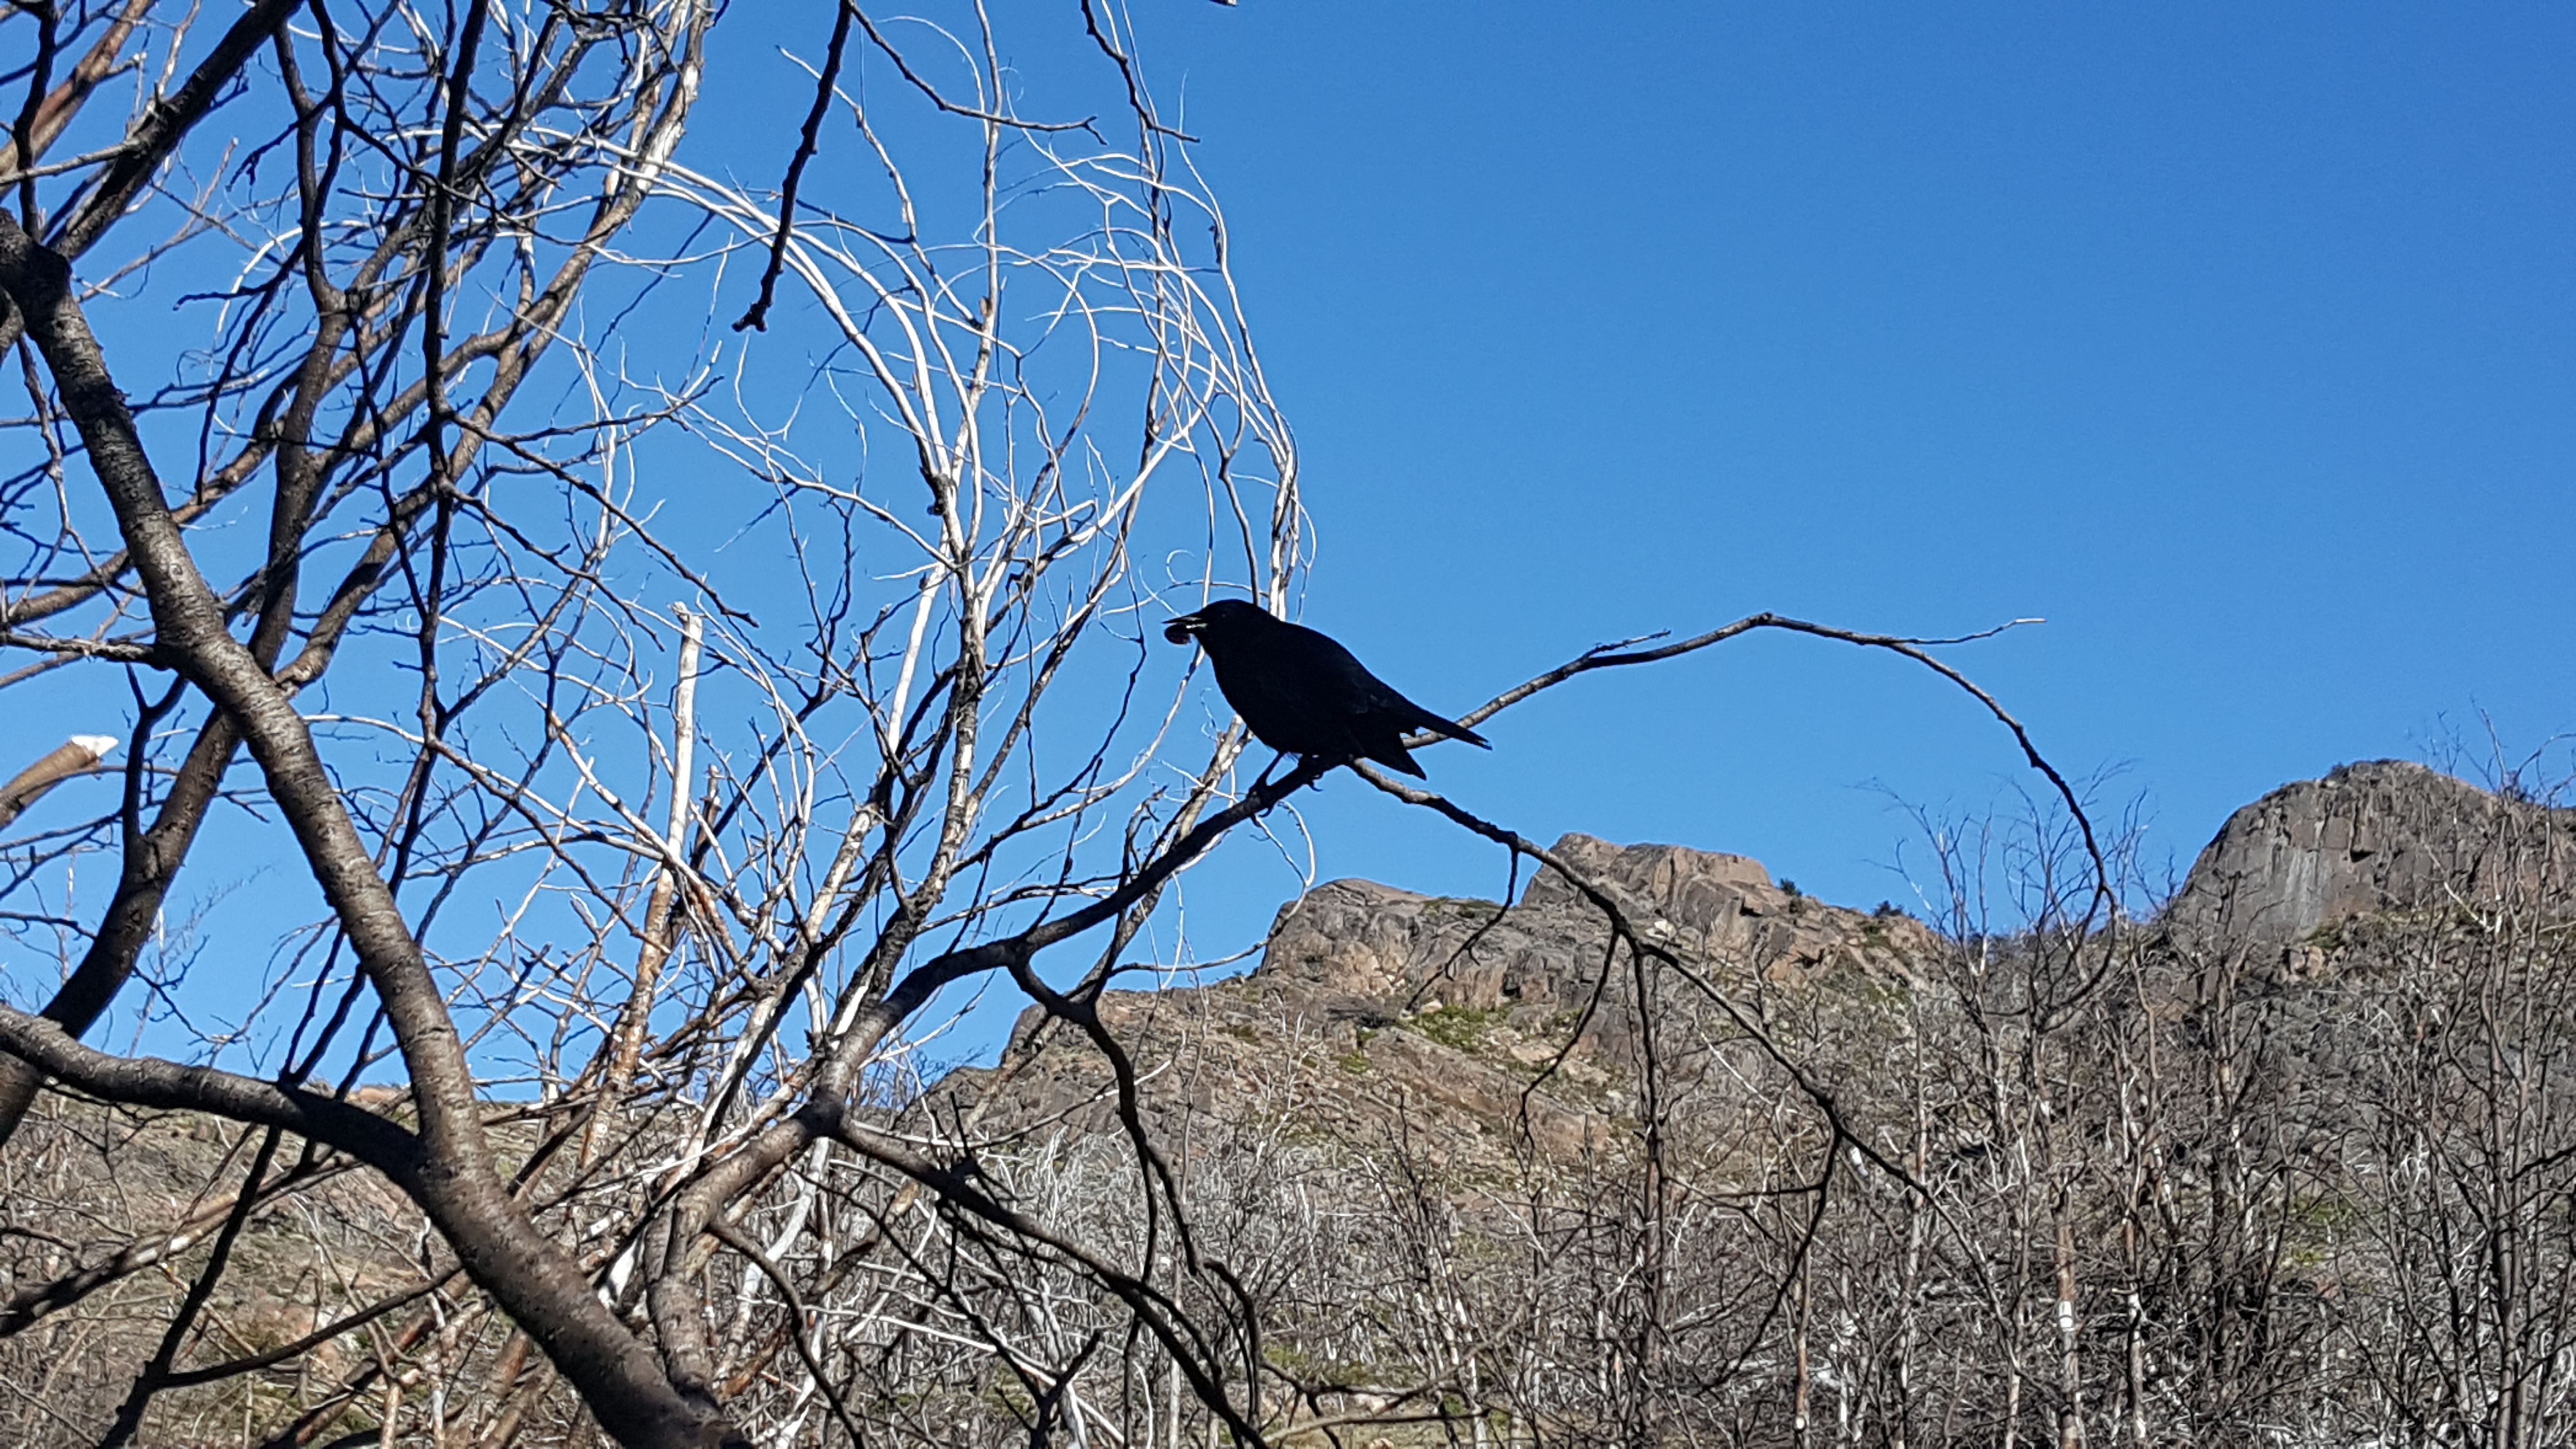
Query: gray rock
(1434, 1019)
(2374, 836)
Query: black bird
(1302, 694)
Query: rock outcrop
(1479, 1028)
(2375, 836)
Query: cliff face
(2375, 836)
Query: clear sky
(2235, 341)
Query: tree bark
(499, 1246)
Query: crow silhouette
(1302, 694)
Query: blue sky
(2236, 344)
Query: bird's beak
(1179, 630)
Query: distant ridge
(1373, 997)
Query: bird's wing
(1320, 692)
(1365, 695)
(1410, 716)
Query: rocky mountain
(1464, 1016)
(1480, 1028)
(2374, 836)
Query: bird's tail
(1395, 757)
(1452, 729)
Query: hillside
(2157, 1159)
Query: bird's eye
(1176, 633)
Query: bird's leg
(1264, 777)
